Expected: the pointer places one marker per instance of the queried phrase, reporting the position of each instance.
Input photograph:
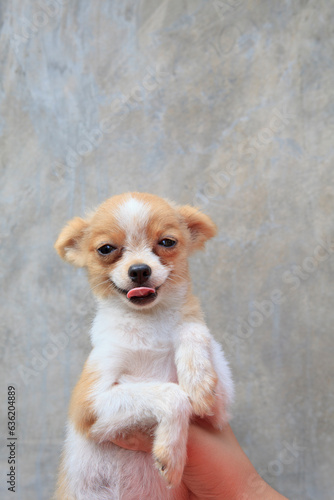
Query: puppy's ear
(69, 242)
(200, 226)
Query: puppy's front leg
(143, 405)
(196, 374)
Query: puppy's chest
(137, 350)
(145, 364)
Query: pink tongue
(142, 291)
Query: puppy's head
(135, 246)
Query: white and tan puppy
(153, 363)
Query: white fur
(145, 354)
(106, 472)
(133, 217)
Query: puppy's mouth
(141, 295)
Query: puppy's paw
(200, 386)
(170, 463)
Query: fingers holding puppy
(136, 441)
(169, 460)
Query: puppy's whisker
(112, 286)
(180, 275)
(101, 283)
(172, 280)
(175, 277)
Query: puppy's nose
(139, 273)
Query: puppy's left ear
(69, 242)
(200, 226)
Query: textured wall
(227, 105)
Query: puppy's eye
(167, 243)
(106, 249)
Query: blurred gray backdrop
(228, 105)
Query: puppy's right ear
(69, 242)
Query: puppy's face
(135, 246)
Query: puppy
(153, 363)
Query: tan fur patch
(81, 410)
(68, 242)
(200, 226)
(192, 310)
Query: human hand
(217, 468)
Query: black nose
(139, 273)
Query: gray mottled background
(226, 105)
